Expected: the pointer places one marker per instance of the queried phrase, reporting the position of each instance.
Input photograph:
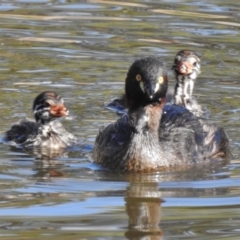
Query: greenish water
(82, 50)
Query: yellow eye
(138, 77)
(160, 80)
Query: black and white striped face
(146, 82)
(48, 106)
(150, 86)
(187, 63)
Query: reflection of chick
(154, 136)
(44, 131)
(48, 168)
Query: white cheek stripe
(142, 87)
(41, 110)
(156, 87)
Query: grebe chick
(45, 131)
(152, 135)
(186, 68)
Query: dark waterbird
(154, 135)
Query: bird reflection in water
(46, 164)
(143, 206)
(144, 197)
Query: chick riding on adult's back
(154, 135)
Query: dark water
(82, 50)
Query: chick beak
(57, 109)
(184, 67)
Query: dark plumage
(44, 131)
(152, 135)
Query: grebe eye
(138, 77)
(160, 80)
(47, 104)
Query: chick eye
(195, 64)
(160, 80)
(177, 58)
(138, 77)
(46, 105)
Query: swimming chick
(154, 135)
(45, 131)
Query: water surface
(82, 50)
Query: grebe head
(187, 63)
(48, 106)
(146, 82)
